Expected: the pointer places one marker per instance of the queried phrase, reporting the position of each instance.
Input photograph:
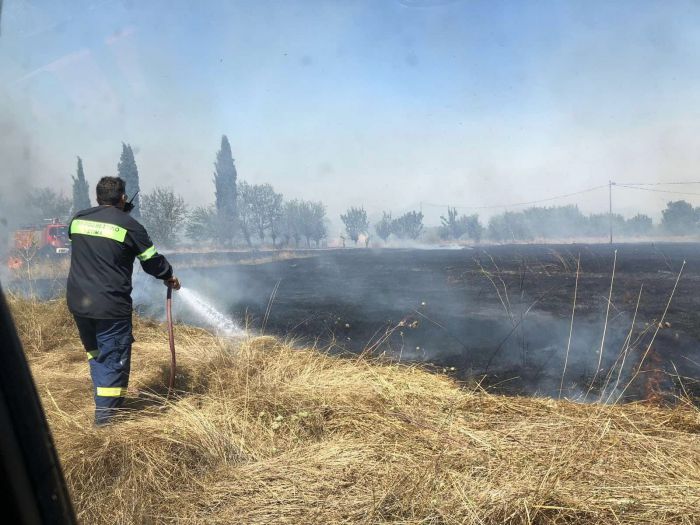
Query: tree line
(245, 214)
(242, 213)
(407, 226)
(555, 222)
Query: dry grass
(264, 433)
(37, 267)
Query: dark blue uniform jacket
(105, 242)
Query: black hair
(110, 190)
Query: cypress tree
(225, 183)
(81, 190)
(127, 170)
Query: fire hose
(171, 339)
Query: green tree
(225, 177)
(508, 226)
(449, 229)
(81, 190)
(598, 225)
(639, 225)
(455, 227)
(679, 218)
(356, 223)
(127, 170)
(275, 214)
(265, 209)
(316, 216)
(546, 222)
(164, 214)
(201, 224)
(245, 210)
(45, 203)
(292, 218)
(472, 227)
(383, 227)
(408, 226)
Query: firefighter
(105, 242)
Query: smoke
(19, 162)
(454, 105)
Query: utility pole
(610, 220)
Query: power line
(628, 185)
(657, 191)
(514, 204)
(609, 185)
(657, 183)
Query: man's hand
(173, 283)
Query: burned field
(498, 314)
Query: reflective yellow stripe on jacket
(147, 254)
(98, 229)
(111, 391)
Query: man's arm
(151, 261)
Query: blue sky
(375, 103)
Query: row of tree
(261, 214)
(556, 222)
(45, 203)
(560, 222)
(241, 212)
(407, 226)
(244, 213)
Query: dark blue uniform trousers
(108, 346)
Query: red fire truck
(46, 240)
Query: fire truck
(46, 240)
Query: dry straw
(266, 433)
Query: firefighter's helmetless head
(111, 191)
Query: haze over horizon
(381, 104)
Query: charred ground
(500, 311)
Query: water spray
(223, 324)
